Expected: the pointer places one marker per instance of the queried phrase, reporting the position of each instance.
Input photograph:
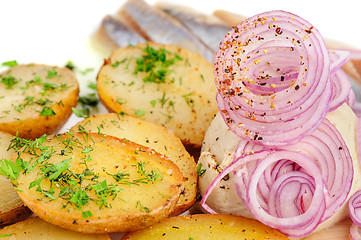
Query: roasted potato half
(12, 208)
(38, 229)
(153, 136)
(207, 227)
(163, 84)
(94, 183)
(36, 99)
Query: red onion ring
(354, 205)
(351, 99)
(298, 93)
(358, 138)
(341, 89)
(356, 108)
(292, 188)
(338, 58)
(355, 232)
(341, 85)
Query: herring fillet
(207, 27)
(122, 35)
(160, 27)
(229, 18)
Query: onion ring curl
(292, 188)
(272, 75)
(354, 205)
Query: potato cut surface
(95, 183)
(163, 84)
(37, 229)
(36, 99)
(207, 227)
(12, 208)
(153, 136)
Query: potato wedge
(94, 183)
(36, 99)
(207, 226)
(12, 208)
(163, 84)
(37, 229)
(153, 136)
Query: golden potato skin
(36, 228)
(12, 208)
(183, 101)
(153, 136)
(207, 227)
(136, 205)
(37, 86)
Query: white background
(53, 32)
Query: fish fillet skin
(160, 27)
(229, 18)
(122, 35)
(207, 27)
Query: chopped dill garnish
(156, 63)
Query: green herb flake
(92, 86)
(52, 73)
(9, 81)
(156, 63)
(189, 100)
(12, 63)
(163, 100)
(86, 71)
(200, 170)
(79, 113)
(88, 149)
(70, 65)
(142, 208)
(47, 112)
(139, 112)
(9, 169)
(100, 187)
(121, 101)
(148, 176)
(86, 214)
(116, 64)
(6, 235)
(100, 128)
(89, 100)
(153, 102)
(49, 194)
(79, 198)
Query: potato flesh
(22, 104)
(207, 226)
(184, 103)
(15, 96)
(149, 135)
(12, 209)
(37, 229)
(9, 198)
(135, 206)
